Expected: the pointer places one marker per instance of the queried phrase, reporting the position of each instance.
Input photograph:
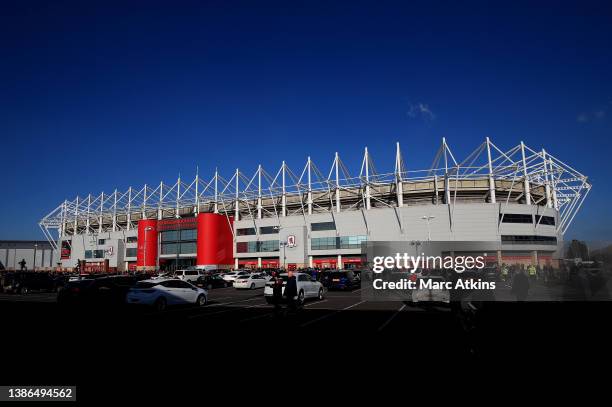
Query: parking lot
(248, 310)
(238, 325)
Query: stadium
(522, 199)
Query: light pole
(34, 265)
(428, 218)
(144, 260)
(283, 245)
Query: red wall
(215, 240)
(151, 243)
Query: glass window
(246, 247)
(322, 226)
(189, 247)
(323, 243)
(170, 236)
(545, 220)
(131, 239)
(268, 230)
(189, 234)
(245, 231)
(268, 246)
(88, 254)
(130, 252)
(98, 254)
(169, 248)
(527, 239)
(101, 241)
(515, 218)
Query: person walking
(277, 292)
(291, 292)
(22, 263)
(520, 286)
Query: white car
(307, 287)
(231, 276)
(190, 275)
(251, 281)
(161, 293)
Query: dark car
(23, 282)
(98, 292)
(210, 281)
(340, 280)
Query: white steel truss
(488, 174)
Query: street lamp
(416, 244)
(35, 248)
(144, 260)
(283, 245)
(428, 218)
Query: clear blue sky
(98, 95)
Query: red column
(151, 244)
(215, 240)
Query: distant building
(38, 254)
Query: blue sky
(95, 96)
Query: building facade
(521, 199)
(37, 254)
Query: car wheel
(201, 301)
(160, 304)
(252, 286)
(320, 296)
(301, 298)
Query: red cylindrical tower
(146, 254)
(215, 241)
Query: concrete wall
(11, 253)
(470, 222)
(114, 240)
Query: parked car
(340, 280)
(162, 293)
(190, 274)
(252, 281)
(307, 287)
(23, 282)
(101, 292)
(233, 275)
(211, 281)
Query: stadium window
(545, 220)
(319, 226)
(188, 248)
(351, 242)
(170, 236)
(245, 231)
(246, 247)
(188, 234)
(528, 239)
(130, 252)
(169, 248)
(268, 230)
(323, 243)
(101, 241)
(269, 246)
(98, 254)
(131, 239)
(515, 218)
(88, 254)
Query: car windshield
(145, 284)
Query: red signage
(177, 224)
